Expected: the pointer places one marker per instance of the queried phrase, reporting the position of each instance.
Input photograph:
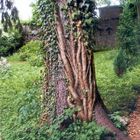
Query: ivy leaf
(89, 21)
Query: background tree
(9, 15)
(10, 22)
(137, 2)
(103, 2)
(128, 39)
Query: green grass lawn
(118, 93)
(20, 92)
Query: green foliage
(10, 43)
(32, 52)
(128, 39)
(84, 131)
(75, 131)
(120, 63)
(83, 11)
(102, 2)
(9, 16)
(110, 85)
(81, 131)
(43, 16)
(20, 100)
(36, 18)
(115, 117)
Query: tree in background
(102, 2)
(11, 25)
(128, 39)
(9, 15)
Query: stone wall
(31, 34)
(107, 26)
(106, 31)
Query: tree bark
(55, 90)
(80, 72)
(61, 90)
(101, 117)
(76, 63)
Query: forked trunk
(78, 68)
(78, 62)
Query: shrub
(36, 60)
(32, 52)
(75, 131)
(116, 118)
(10, 43)
(128, 39)
(20, 100)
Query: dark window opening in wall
(100, 33)
(109, 30)
(100, 30)
(116, 18)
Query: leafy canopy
(9, 15)
(128, 39)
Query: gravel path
(134, 123)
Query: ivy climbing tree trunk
(55, 91)
(79, 71)
(61, 90)
(54, 87)
(70, 78)
(77, 56)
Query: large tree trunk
(61, 90)
(79, 69)
(55, 91)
